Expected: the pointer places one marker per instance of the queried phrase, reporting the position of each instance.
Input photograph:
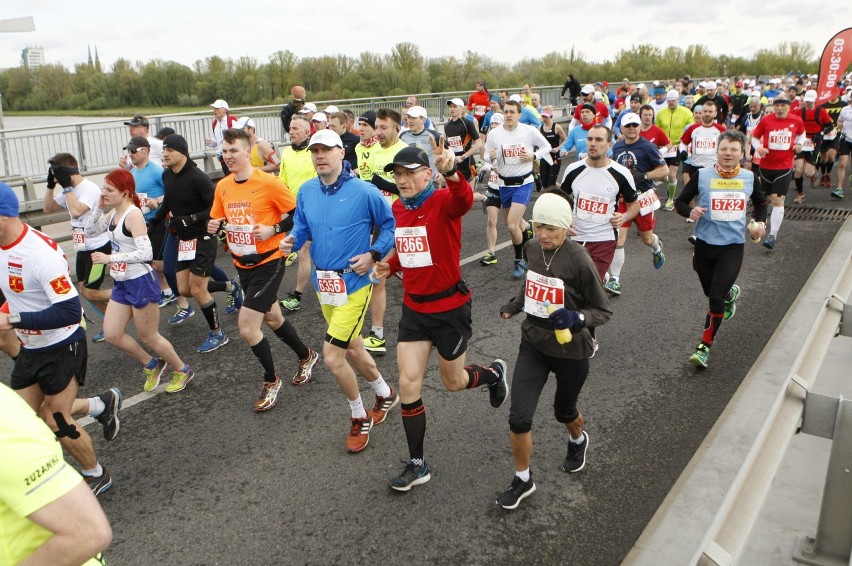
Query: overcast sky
(176, 30)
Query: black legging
(531, 371)
(548, 172)
(717, 268)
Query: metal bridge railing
(98, 144)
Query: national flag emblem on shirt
(16, 269)
(61, 285)
(16, 283)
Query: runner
(136, 294)
(555, 135)
(830, 140)
(479, 101)
(721, 192)
(462, 138)
(492, 203)
(188, 196)
(251, 203)
(514, 147)
(673, 120)
(436, 310)
(569, 281)
(817, 123)
(699, 143)
(44, 309)
(296, 168)
(775, 140)
(80, 196)
(844, 148)
(337, 212)
(643, 160)
(263, 154)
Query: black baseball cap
(163, 132)
(137, 121)
(411, 158)
(136, 142)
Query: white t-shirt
(509, 144)
(156, 152)
(596, 191)
(846, 116)
(88, 194)
(33, 276)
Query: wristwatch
(582, 318)
(66, 190)
(276, 228)
(14, 318)
(376, 255)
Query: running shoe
(826, 180)
(613, 287)
(731, 304)
(575, 460)
(379, 412)
(99, 337)
(166, 300)
(520, 268)
(701, 357)
(595, 347)
(659, 257)
(181, 315)
(669, 205)
(109, 417)
(517, 492)
(99, 484)
(413, 474)
(179, 380)
(292, 303)
(837, 193)
(375, 344)
(268, 395)
(769, 242)
(215, 340)
(235, 297)
(306, 366)
(359, 434)
(488, 259)
(690, 221)
(291, 257)
(498, 391)
(152, 375)
(800, 198)
(529, 234)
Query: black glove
(384, 185)
(683, 155)
(817, 139)
(63, 175)
(564, 318)
(51, 180)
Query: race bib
(494, 179)
(512, 154)
(704, 146)
(240, 239)
(648, 202)
(332, 288)
(670, 152)
(388, 197)
(78, 237)
(780, 140)
(412, 246)
(186, 249)
(118, 270)
(455, 144)
(540, 289)
(593, 208)
(727, 206)
(479, 110)
(808, 144)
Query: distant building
(32, 57)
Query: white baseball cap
(810, 96)
(331, 109)
(588, 89)
(631, 118)
(417, 112)
(672, 95)
(515, 98)
(456, 102)
(308, 107)
(220, 104)
(243, 122)
(328, 138)
(319, 117)
(497, 119)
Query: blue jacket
(339, 223)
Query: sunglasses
(630, 126)
(133, 151)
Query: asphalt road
(201, 479)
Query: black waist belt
(250, 260)
(460, 287)
(513, 181)
(339, 271)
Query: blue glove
(564, 318)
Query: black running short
(90, 274)
(775, 181)
(205, 257)
(260, 284)
(51, 369)
(449, 331)
(844, 146)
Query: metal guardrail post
(830, 417)
(81, 147)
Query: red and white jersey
(33, 276)
(702, 142)
(779, 136)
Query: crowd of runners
(355, 200)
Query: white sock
(229, 287)
(578, 440)
(381, 388)
(357, 408)
(99, 471)
(167, 291)
(379, 331)
(656, 247)
(775, 219)
(617, 264)
(524, 475)
(96, 406)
